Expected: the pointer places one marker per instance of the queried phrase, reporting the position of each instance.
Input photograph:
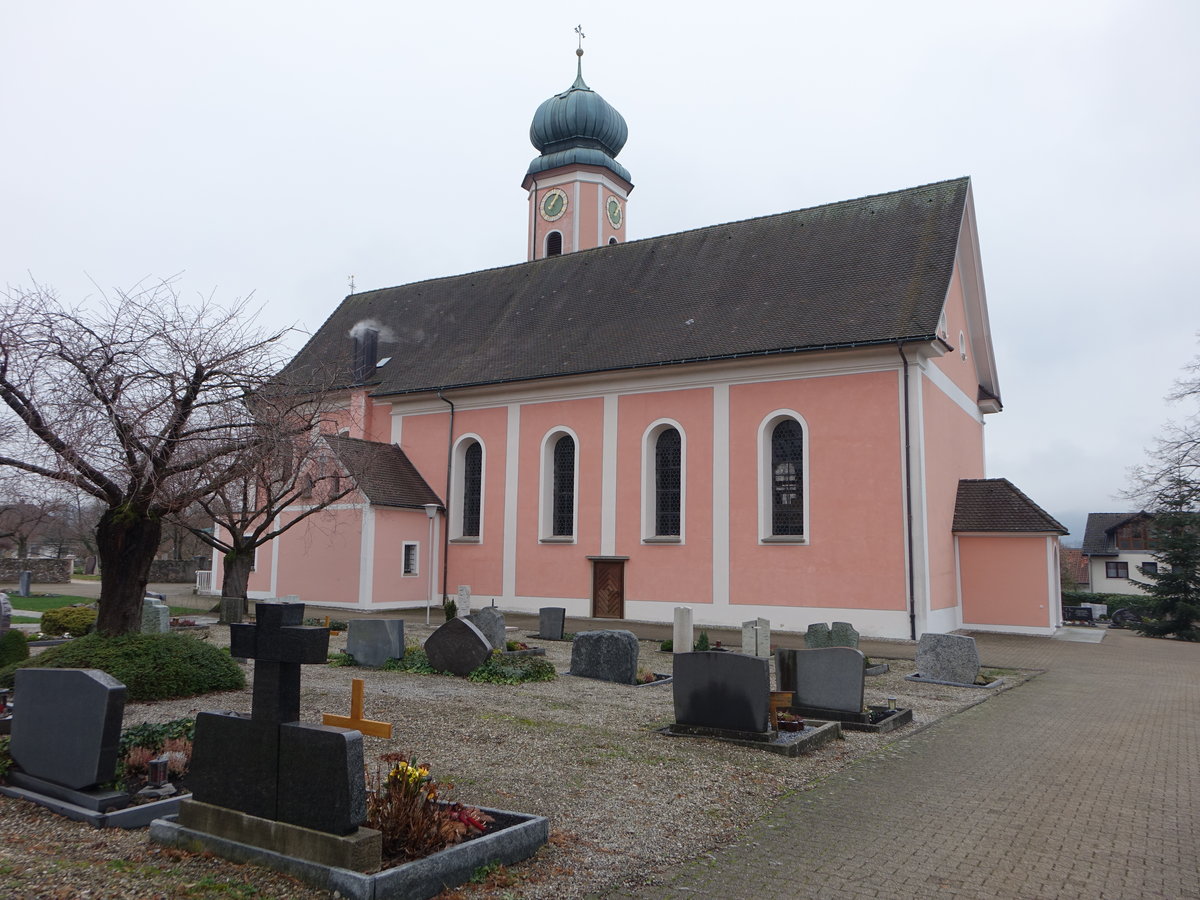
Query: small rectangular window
(1150, 568)
(1116, 570)
(410, 558)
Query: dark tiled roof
(383, 472)
(862, 272)
(995, 504)
(1096, 533)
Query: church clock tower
(577, 189)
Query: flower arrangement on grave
(515, 645)
(405, 806)
(645, 676)
(790, 722)
(170, 742)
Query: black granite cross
(279, 644)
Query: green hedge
(151, 666)
(74, 620)
(13, 647)
(1114, 601)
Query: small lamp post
(431, 512)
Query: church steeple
(577, 189)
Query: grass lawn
(41, 604)
(24, 620)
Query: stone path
(1081, 784)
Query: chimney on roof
(366, 353)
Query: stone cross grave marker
(726, 691)
(65, 735)
(828, 678)
(682, 635)
(355, 720)
(278, 759)
(756, 637)
(951, 658)
(817, 636)
(372, 642)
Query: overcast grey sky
(276, 148)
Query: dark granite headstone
(843, 634)
(606, 655)
(1124, 617)
(551, 622)
(331, 758)
(279, 644)
(825, 678)
(490, 621)
(729, 691)
(458, 647)
(248, 783)
(372, 642)
(952, 658)
(67, 725)
(817, 636)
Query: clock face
(613, 208)
(554, 204)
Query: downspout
(912, 599)
(446, 523)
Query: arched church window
(554, 243)
(563, 491)
(612, 240)
(668, 469)
(472, 489)
(787, 478)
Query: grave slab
(490, 621)
(88, 705)
(605, 655)
(817, 636)
(725, 691)
(372, 642)
(457, 647)
(551, 622)
(828, 678)
(949, 658)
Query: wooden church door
(608, 587)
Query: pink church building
(779, 417)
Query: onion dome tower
(577, 189)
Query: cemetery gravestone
(5, 613)
(817, 636)
(551, 622)
(1125, 617)
(372, 642)
(156, 616)
(464, 600)
(828, 678)
(723, 691)
(458, 647)
(26, 580)
(490, 621)
(951, 658)
(756, 637)
(86, 704)
(843, 634)
(682, 634)
(232, 610)
(606, 655)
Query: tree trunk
(236, 573)
(126, 541)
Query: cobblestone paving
(1080, 784)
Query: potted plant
(790, 722)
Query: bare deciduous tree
(133, 400)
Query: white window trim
(458, 491)
(546, 243)
(416, 559)
(546, 489)
(649, 481)
(765, 481)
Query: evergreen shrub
(13, 647)
(74, 620)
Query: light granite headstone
(67, 725)
(156, 616)
(681, 634)
(5, 613)
(490, 621)
(232, 610)
(606, 655)
(463, 602)
(729, 691)
(26, 580)
(457, 647)
(372, 642)
(947, 657)
(824, 678)
(756, 637)
(817, 636)
(843, 634)
(551, 622)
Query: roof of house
(995, 504)
(1096, 534)
(1076, 564)
(383, 472)
(862, 272)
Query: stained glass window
(472, 489)
(564, 486)
(668, 470)
(787, 478)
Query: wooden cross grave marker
(355, 720)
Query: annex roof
(863, 272)
(996, 504)
(383, 472)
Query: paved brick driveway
(1082, 783)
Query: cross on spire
(579, 31)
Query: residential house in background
(1119, 551)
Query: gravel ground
(624, 802)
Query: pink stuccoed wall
(856, 555)
(961, 371)
(953, 450)
(481, 565)
(393, 527)
(667, 573)
(306, 558)
(1006, 580)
